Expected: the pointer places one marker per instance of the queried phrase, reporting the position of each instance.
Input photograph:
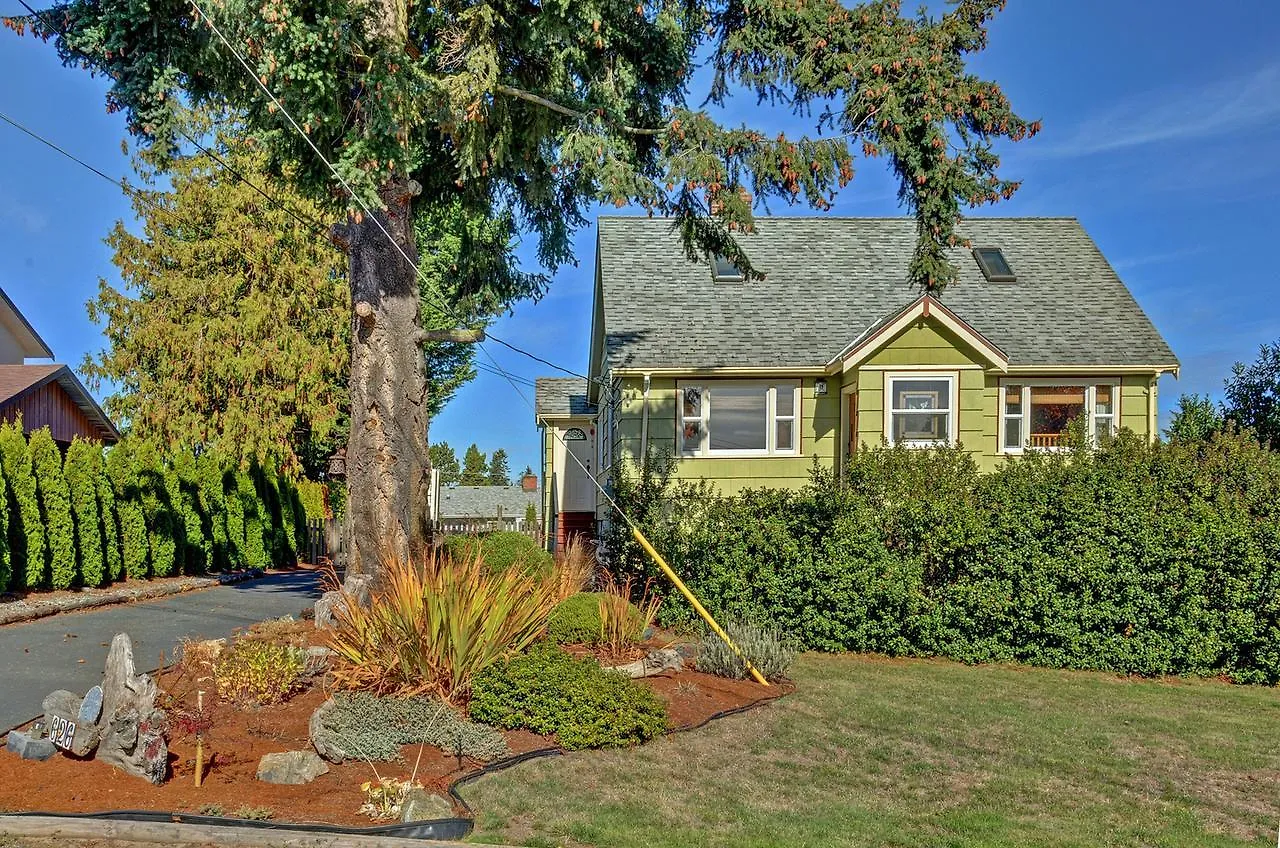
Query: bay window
(737, 418)
(920, 409)
(1036, 413)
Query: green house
(745, 382)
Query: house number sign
(62, 732)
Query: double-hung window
(734, 418)
(920, 409)
(1037, 413)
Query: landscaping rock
(91, 706)
(654, 662)
(132, 729)
(29, 747)
(322, 740)
(358, 586)
(66, 730)
(291, 767)
(324, 610)
(421, 805)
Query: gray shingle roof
(483, 501)
(829, 279)
(556, 397)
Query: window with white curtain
(738, 418)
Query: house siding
(819, 429)
(924, 345)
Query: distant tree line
(475, 469)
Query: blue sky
(1161, 134)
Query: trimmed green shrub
(548, 691)
(126, 486)
(257, 525)
(314, 498)
(6, 567)
(576, 620)
(501, 550)
(55, 508)
(26, 527)
(371, 727)
(113, 554)
(234, 513)
(1140, 558)
(288, 523)
(768, 650)
(182, 481)
(213, 508)
(83, 468)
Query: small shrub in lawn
(371, 727)
(253, 813)
(768, 650)
(255, 672)
(550, 692)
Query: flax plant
(434, 623)
(575, 567)
(623, 624)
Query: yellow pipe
(706, 616)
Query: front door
(579, 471)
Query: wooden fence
(324, 539)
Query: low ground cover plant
(768, 650)
(255, 672)
(584, 706)
(1140, 558)
(372, 727)
(437, 622)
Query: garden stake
(199, 738)
(706, 616)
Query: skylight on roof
(993, 264)
(725, 270)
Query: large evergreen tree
(475, 468)
(543, 110)
(499, 468)
(444, 460)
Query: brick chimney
(529, 482)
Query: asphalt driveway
(68, 651)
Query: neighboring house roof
(483, 501)
(20, 381)
(32, 346)
(561, 397)
(831, 281)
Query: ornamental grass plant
(434, 623)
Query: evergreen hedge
(134, 511)
(83, 469)
(26, 528)
(1137, 558)
(55, 508)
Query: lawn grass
(882, 752)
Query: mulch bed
(238, 738)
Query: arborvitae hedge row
(26, 528)
(83, 469)
(55, 508)
(136, 513)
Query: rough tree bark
(388, 463)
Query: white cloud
(1219, 108)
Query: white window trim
(953, 407)
(1090, 384)
(708, 388)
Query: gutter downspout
(1152, 407)
(644, 421)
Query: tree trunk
(388, 464)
